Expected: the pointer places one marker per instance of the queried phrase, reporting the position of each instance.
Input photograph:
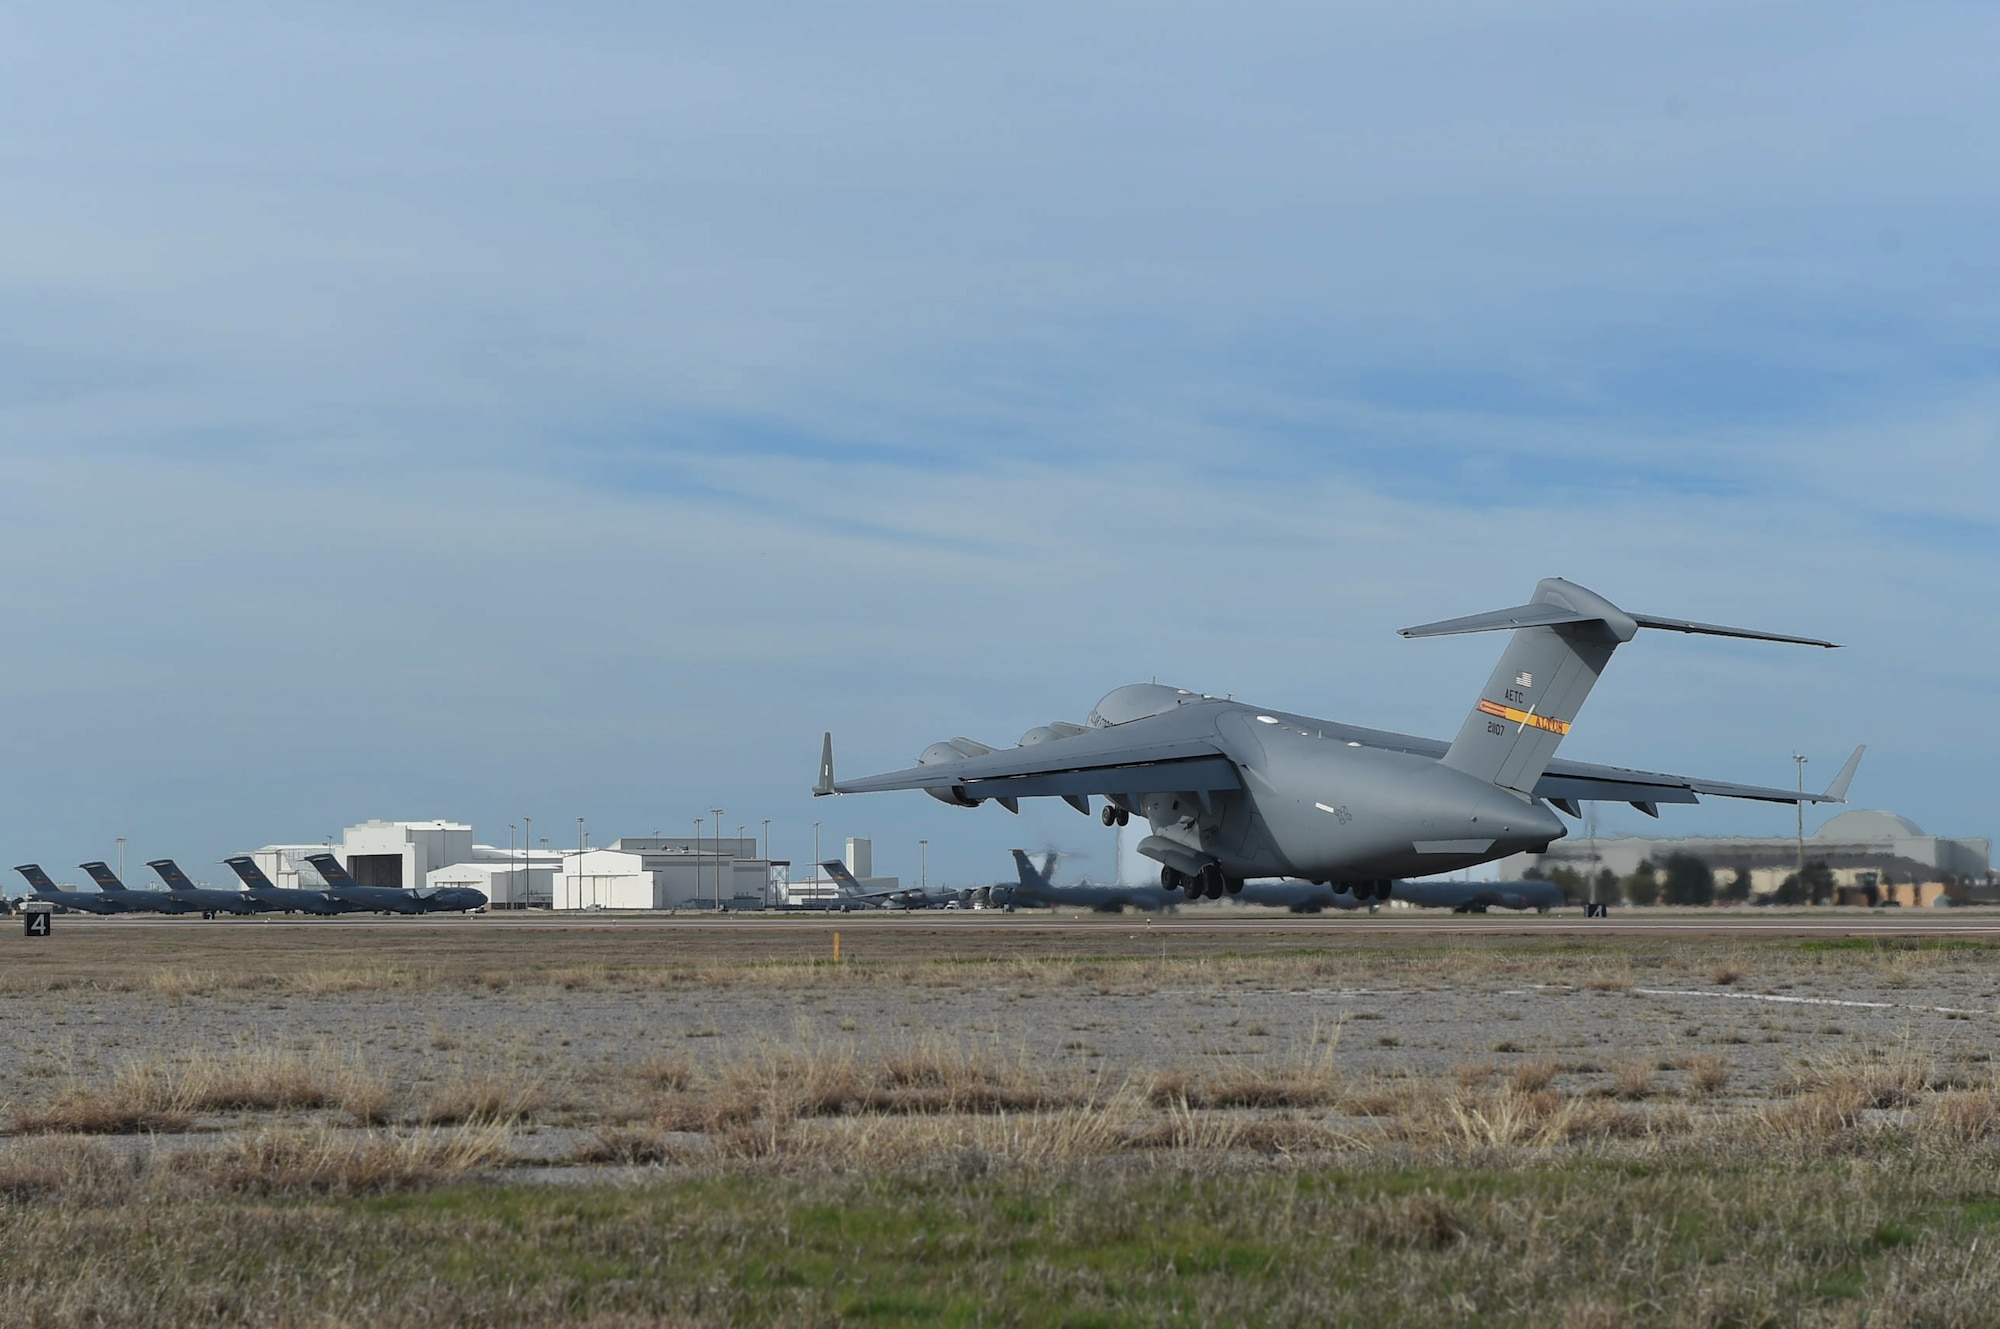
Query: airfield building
(1860, 846)
(670, 872)
(428, 854)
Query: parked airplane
(208, 902)
(854, 893)
(393, 899)
(1230, 791)
(42, 889)
(1476, 897)
(1036, 889)
(131, 901)
(288, 898)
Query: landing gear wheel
(1108, 815)
(1123, 816)
(1233, 886)
(1171, 880)
(1212, 881)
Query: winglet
(1837, 791)
(825, 785)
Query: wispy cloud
(481, 410)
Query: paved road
(1971, 923)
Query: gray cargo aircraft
(1476, 897)
(1231, 791)
(287, 898)
(853, 892)
(208, 902)
(131, 901)
(1036, 888)
(393, 899)
(42, 889)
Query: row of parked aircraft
(1036, 889)
(341, 894)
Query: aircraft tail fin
(245, 867)
(37, 879)
(331, 871)
(170, 872)
(1024, 868)
(1562, 640)
(842, 878)
(101, 873)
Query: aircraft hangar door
(376, 870)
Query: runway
(940, 924)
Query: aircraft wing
(1123, 759)
(1582, 781)
(1576, 781)
(1099, 761)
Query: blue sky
(477, 411)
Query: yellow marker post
(836, 948)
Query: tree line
(1685, 879)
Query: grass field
(442, 1127)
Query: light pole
(527, 859)
(718, 858)
(815, 854)
(579, 861)
(767, 839)
(1800, 867)
(699, 822)
(121, 858)
(513, 863)
(924, 867)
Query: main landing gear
(1211, 881)
(1111, 816)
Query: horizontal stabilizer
(36, 877)
(1500, 620)
(170, 872)
(1554, 615)
(244, 866)
(1712, 630)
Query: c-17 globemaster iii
(119, 901)
(393, 899)
(1231, 791)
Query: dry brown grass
(484, 1099)
(156, 1095)
(1707, 1072)
(81, 1171)
(1725, 972)
(1632, 1077)
(329, 1162)
(142, 1097)
(1531, 1077)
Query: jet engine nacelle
(957, 749)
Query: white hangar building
(655, 872)
(422, 854)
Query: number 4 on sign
(36, 925)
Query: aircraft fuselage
(1319, 807)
